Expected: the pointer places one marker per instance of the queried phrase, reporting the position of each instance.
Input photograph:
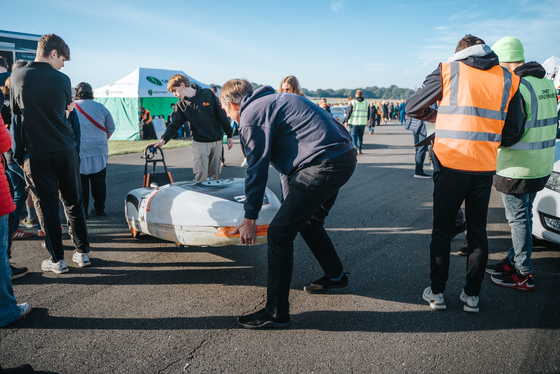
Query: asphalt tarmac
(145, 306)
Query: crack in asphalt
(191, 355)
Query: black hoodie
(206, 117)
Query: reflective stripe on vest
(359, 113)
(533, 156)
(471, 115)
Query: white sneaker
(25, 308)
(471, 302)
(436, 300)
(56, 267)
(82, 259)
(244, 163)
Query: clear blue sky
(325, 43)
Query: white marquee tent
(143, 87)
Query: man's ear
(235, 106)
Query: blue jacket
(287, 131)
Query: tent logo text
(155, 81)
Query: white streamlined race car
(546, 207)
(195, 214)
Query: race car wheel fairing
(196, 214)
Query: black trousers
(52, 172)
(98, 189)
(450, 190)
(312, 193)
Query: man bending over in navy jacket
(315, 155)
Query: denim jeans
(519, 213)
(9, 310)
(451, 188)
(20, 194)
(312, 193)
(420, 153)
(357, 133)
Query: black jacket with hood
(206, 117)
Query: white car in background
(546, 207)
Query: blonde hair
(293, 85)
(176, 81)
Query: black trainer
(18, 272)
(324, 284)
(504, 266)
(99, 212)
(262, 319)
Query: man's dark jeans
(53, 171)
(450, 189)
(313, 191)
(420, 153)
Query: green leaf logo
(107, 92)
(155, 81)
(150, 92)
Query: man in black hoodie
(208, 122)
(479, 109)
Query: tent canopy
(143, 82)
(143, 87)
(552, 67)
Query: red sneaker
(20, 234)
(515, 280)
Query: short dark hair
(52, 42)
(468, 41)
(84, 91)
(3, 63)
(172, 105)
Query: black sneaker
(18, 272)
(504, 266)
(422, 175)
(99, 212)
(262, 319)
(324, 284)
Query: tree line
(385, 93)
(390, 93)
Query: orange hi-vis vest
(471, 115)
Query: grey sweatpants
(206, 160)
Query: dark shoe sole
(20, 275)
(323, 290)
(265, 325)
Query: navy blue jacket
(287, 131)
